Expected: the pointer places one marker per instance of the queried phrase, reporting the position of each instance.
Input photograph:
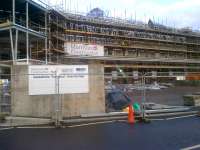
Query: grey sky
(178, 13)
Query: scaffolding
(22, 30)
(44, 33)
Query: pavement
(167, 134)
(156, 111)
(12, 121)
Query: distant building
(96, 12)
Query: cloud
(185, 13)
(179, 13)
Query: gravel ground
(170, 96)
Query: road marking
(173, 118)
(191, 147)
(88, 124)
(180, 117)
(157, 119)
(1, 129)
(121, 120)
(47, 127)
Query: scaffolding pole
(46, 40)
(16, 43)
(11, 42)
(49, 40)
(13, 11)
(27, 34)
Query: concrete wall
(94, 102)
(72, 105)
(21, 103)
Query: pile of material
(192, 100)
(117, 100)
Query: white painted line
(88, 124)
(121, 120)
(157, 119)
(180, 117)
(191, 147)
(126, 120)
(1, 129)
(47, 127)
(173, 118)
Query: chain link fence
(157, 90)
(5, 96)
(57, 95)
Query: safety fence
(51, 93)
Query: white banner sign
(135, 75)
(114, 75)
(58, 79)
(84, 49)
(180, 78)
(154, 73)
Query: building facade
(40, 32)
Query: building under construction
(35, 33)
(30, 31)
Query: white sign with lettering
(58, 79)
(84, 49)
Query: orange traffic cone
(131, 115)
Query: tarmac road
(158, 135)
